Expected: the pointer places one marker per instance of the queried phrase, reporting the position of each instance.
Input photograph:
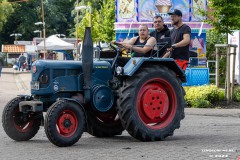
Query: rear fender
(134, 64)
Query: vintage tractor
(144, 97)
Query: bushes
(204, 96)
(236, 96)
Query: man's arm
(149, 45)
(124, 43)
(184, 42)
(186, 38)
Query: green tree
(213, 37)
(85, 22)
(224, 16)
(5, 10)
(102, 21)
(58, 19)
(107, 20)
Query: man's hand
(119, 44)
(169, 49)
(127, 46)
(166, 55)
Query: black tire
(18, 126)
(64, 123)
(151, 103)
(104, 124)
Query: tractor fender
(135, 63)
(74, 100)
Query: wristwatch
(174, 46)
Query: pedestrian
(1, 64)
(180, 37)
(21, 61)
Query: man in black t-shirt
(180, 37)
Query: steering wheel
(117, 49)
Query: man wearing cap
(180, 37)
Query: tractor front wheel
(64, 123)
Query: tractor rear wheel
(151, 103)
(64, 123)
(18, 125)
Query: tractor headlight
(119, 70)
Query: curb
(19, 82)
(213, 112)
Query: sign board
(234, 39)
(145, 10)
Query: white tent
(55, 43)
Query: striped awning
(13, 48)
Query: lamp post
(38, 31)
(44, 31)
(90, 21)
(44, 36)
(15, 35)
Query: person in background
(180, 37)
(21, 61)
(1, 64)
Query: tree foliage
(57, 15)
(107, 18)
(102, 21)
(5, 10)
(60, 18)
(213, 37)
(223, 15)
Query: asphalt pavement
(11, 79)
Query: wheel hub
(155, 103)
(67, 123)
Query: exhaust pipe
(87, 64)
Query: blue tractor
(144, 97)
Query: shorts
(182, 63)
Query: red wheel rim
(156, 103)
(23, 123)
(67, 123)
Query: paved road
(204, 134)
